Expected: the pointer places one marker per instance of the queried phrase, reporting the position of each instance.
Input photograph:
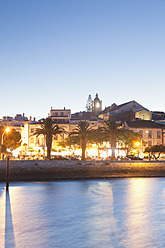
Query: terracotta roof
(143, 124)
(114, 107)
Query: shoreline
(39, 170)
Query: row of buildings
(150, 125)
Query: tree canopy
(129, 138)
(49, 129)
(11, 140)
(157, 149)
(109, 132)
(82, 132)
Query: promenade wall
(39, 170)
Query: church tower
(89, 104)
(96, 105)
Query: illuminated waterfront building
(151, 133)
(134, 116)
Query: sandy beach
(35, 170)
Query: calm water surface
(84, 214)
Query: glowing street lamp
(137, 144)
(6, 131)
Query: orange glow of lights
(7, 130)
(137, 143)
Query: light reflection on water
(128, 213)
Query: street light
(137, 143)
(6, 131)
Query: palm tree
(49, 129)
(110, 130)
(82, 131)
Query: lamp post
(137, 145)
(6, 131)
(7, 161)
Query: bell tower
(89, 104)
(96, 105)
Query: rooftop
(143, 124)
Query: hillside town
(149, 125)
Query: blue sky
(57, 52)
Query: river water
(127, 213)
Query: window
(141, 133)
(158, 134)
(149, 143)
(62, 113)
(32, 130)
(149, 134)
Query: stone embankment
(35, 170)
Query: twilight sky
(57, 52)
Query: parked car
(133, 157)
(122, 158)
